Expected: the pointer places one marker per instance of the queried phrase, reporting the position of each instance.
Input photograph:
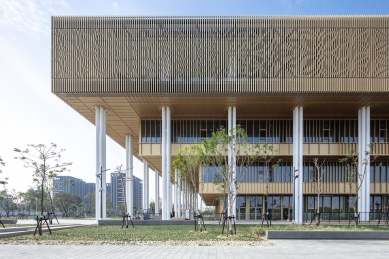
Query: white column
(298, 163)
(98, 166)
(101, 186)
(145, 184)
(183, 197)
(234, 159)
(129, 176)
(178, 194)
(175, 193)
(103, 158)
(156, 191)
(364, 161)
(168, 161)
(232, 155)
(164, 172)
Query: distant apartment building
(72, 185)
(117, 192)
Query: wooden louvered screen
(220, 54)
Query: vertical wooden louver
(220, 54)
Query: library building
(311, 86)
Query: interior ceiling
(126, 111)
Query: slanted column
(166, 163)
(101, 192)
(145, 184)
(156, 205)
(364, 161)
(129, 176)
(298, 163)
(232, 156)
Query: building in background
(117, 192)
(72, 185)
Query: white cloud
(30, 16)
(115, 5)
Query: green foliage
(45, 161)
(260, 230)
(188, 163)
(218, 152)
(67, 202)
(356, 177)
(152, 207)
(144, 233)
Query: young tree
(123, 179)
(6, 197)
(188, 163)
(218, 153)
(318, 178)
(90, 202)
(45, 162)
(152, 207)
(355, 176)
(267, 154)
(65, 202)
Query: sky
(31, 114)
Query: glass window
(158, 132)
(240, 201)
(209, 128)
(335, 204)
(352, 129)
(143, 130)
(152, 131)
(377, 173)
(256, 132)
(148, 131)
(250, 131)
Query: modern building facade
(117, 192)
(312, 86)
(72, 185)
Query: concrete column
(145, 184)
(178, 194)
(364, 161)
(129, 176)
(183, 197)
(175, 193)
(101, 186)
(164, 171)
(168, 161)
(98, 166)
(232, 155)
(298, 163)
(156, 192)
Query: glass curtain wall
(267, 131)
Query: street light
(100, 176)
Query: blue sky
(31, 114)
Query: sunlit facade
(312, 86)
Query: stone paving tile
(285, 249)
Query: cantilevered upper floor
(198, 66)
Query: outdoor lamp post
(100, 176)
(294, 179)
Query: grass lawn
(176, 233)
(143, 233)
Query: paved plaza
(283, 249)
